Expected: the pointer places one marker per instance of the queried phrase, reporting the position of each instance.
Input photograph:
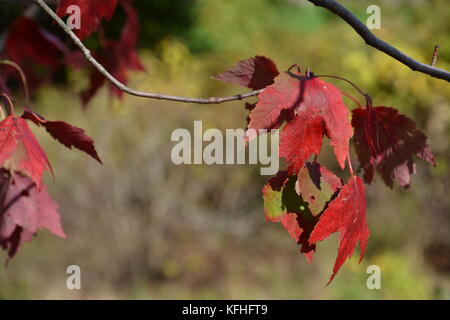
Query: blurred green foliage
(141, 227)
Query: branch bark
(123, 87)
(379, 44)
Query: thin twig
(22, 76)
(123, 87)
(379, 44)
(10, 111)
(350, 167)
(2, 113)
(343, 79)
(435, 55)
(351, 98)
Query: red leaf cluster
(25, 205)
(309, 200)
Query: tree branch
(379, 44)
(123, 87)
(330, 5)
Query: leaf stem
(2, 112)
(296, 66)
(350, 167)
(22, 76)
(351, 98)
(11, 105)
(343, 79)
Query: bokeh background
(141, 227)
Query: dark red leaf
(31, 47)
(386, 141)
(65, 133)
(255, 73)
(26, 40)
(24, 210)
(75, 59)
(347, 215)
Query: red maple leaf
(386, 140)
(347, 215)
(92, 13)
(65, 133)
(254, 73)
(20, 151)
(117, 56)
(23, 210)
(305, 101)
